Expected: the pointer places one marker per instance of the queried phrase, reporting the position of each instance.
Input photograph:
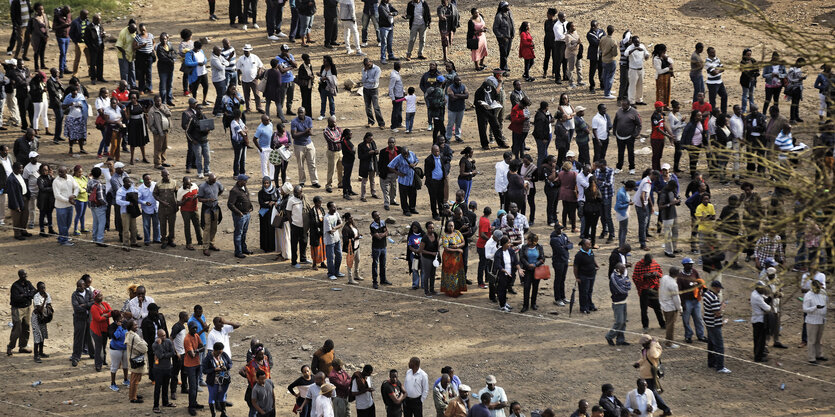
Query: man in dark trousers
(94, 39)
(560, 245)
(82, 300)
(560, 62)
(585, 271)
(18, 198)
(548, 43)
(21, 295)
(331, 9)
(55, 91)
(594, 36)
(435, 174)
(150, 325)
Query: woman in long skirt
(453, 280)
(317, 224)
(283, 233)
(267, 198)
(39, 333)
(137, 132)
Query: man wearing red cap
(659, 133)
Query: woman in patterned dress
(453, 280)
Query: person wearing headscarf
(267, 199)
(283, 232)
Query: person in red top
(526, 50)
(191, 363)
(187, 198)
(121, 93)
(342, 381)
(703, 107)
(646, 276)
(484, 233)
(520, 125)
(259, 362)
(100, 320)
(658, 134)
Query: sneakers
(618, 171)
(255, 25)
(332, 277)
(505, 309)
(282, 35)
(244, 28)
(674, 346)
(114, 388)
(610, 97)
(364, 44)
(126, 383)
(631, 172)
(724, 371)
(273, 38)
(320, 118)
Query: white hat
(579, 109)
(665, 166)
(33, 154)
(118, 165)
(571, 154)
(771, 270)
(11, 61)
(464, 388)
(247, 47)
(491, 379)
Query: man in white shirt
(498, 401)
(363, 391)
(6, 166)
(30, 175)
(220, 333)
(396, 93)
(643, 206)
(668, 298)
(322, 404)
(218, 64)
(641, 401)
(601, 124)
(636, 54)
(502, 168)
(65, 190)
(249, 66)
(416, 386)
(559, 49)
(737, 127)
(332, 239)
(138, 307)
(128, 221)
(758, 309)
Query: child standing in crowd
(411, 109)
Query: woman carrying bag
(137, 347)
(216, 366)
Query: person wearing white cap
(30, 175)
(250, 67)
(814, 309)
(460, 405)
(805, 285)
(498, 401)
(775, 285)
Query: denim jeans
(201, 149)
(63, 216)
(606, 218)
(454, 124)
(698, 84)
(747, 97)
(386, 40)
(692, 308)
(127, 72)
(148, 221)
(608, 77)
(333, 254)
(63, 44)
(410, 121)
(166, 82)
(643, 218)
(620, 323)
(716, 348)
(467, 186)
(373, 19)
(323, 96)
(378, 260)
(241, 226)
(99, 219)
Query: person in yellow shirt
(124, 46)
(705, 216)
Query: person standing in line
(670, 302)
(697, 64)
(164, 353)
(585, 269)
(367, 154)
(332, 238)
(750, 71)
(626, 127)
(814, 308)
(348, 16)
(150, 209)
(379, 241)
(218, 64)
(560, 31)
(303, 148)
(263, 142)
(419, 17)
(713, 316)
(715, 86)
(166, 57)
(690, 287)
(774, 74)
(20, 13)
(250, 69)
(636, 54)
(594, 35)
(143, 45)
(100, 313)
(65, 190)
(609, 58)
(646, 276)
(759, 308)
(333, 138)
(304, 79)
(82, 301)
(448, 22)
(526, 50)
(210, 213)
(404, 167)
(370, 15)
(619, 286)
(386, 13)
(663, 66)
(61, 23)
(125, 48)
(241, 208)
(503, 30)
(548, 43)
(623, 63)
(416, 388)
(531, 257)
(572, 50)
(397, 96)
(370, 83)
(21, 294)
(560, 247)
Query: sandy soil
(542, 360)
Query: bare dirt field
(542, 360)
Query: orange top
(191, 342)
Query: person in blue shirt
(150, 215)
(263, 140)
(404, 166)
(199, 320)
(413, 252)
(303, 148)
(622, 203)
(286, 63)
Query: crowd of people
(740, 146)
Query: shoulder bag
(137, 361)
(542, 272)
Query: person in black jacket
(94, 39)
(349, 152)
(150, 324)
(76, 32)
(612, 407)
(433, 168)
(18, 198)
(504, 271)
(23, 145)
(388, 182)
(484, 96)
(20, 78)
(417, 26)
(82, 300)
(166, 57)
(21, 295)
(619, 256)
(330, 15)
(55, 92)
(367, 154)
(531, 256)
(19, 27)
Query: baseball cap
(659, 104)
(242, 177)
(686, 261)
(33, 154)
(665, 166)
(716, 284)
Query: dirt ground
(542, 360)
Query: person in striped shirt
(713, 321)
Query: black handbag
(137, 361)
(472, 43)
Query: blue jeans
(386, 39)
(202, 163)
(378, 259)
(149, 221)
(304, 25)
(620, 323)
(217, 393)
(220, 90)
(63, 216)
(231, 78)
(608, 77)
(324, 95)
(698, 84)
(454, 124)
(63, 44)
(466, 186)
(415, 272)
(80, 211)
(606, 218)
(127, 72)
(99, 219)
(410, 121)
(333, 254)
(692, 308)
(716, 348)
(241, 226)
(747, 97)
(166, 82)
